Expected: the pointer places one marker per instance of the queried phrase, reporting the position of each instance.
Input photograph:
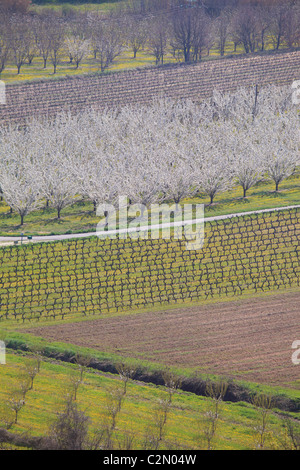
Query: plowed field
(245, 339)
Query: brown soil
(246, 339)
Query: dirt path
(250, 339)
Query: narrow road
(48, 238)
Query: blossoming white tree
(17, 174)
(77, 48)
(161, 152)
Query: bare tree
(159, 31)
(215, 392)
(263, 14)
(19, 39)
(136, 33)
(109, 42)
(172, 382)
(182, 31)
(77, 376)
(188, 31)
(41, 28)
(292, 26)
(126, 373)
(4, 43)
(37, 352)
(221, 27)
(94, 31)
(75, 381)
(126, 441)
(69, 431)
(244, 28)
(263, 405)
(114, 401)
(24, 386)
(278, 24)
(203, 38)
(16, 403)
(57, 38)
(83, 362)
(31, 369)
(155, 432)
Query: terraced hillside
(193, 81)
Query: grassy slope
(16, 339)
(81, 218)
(50, 385)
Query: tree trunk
(106, 218)
(278, 41)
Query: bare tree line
(73, 429)
(186, 32)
